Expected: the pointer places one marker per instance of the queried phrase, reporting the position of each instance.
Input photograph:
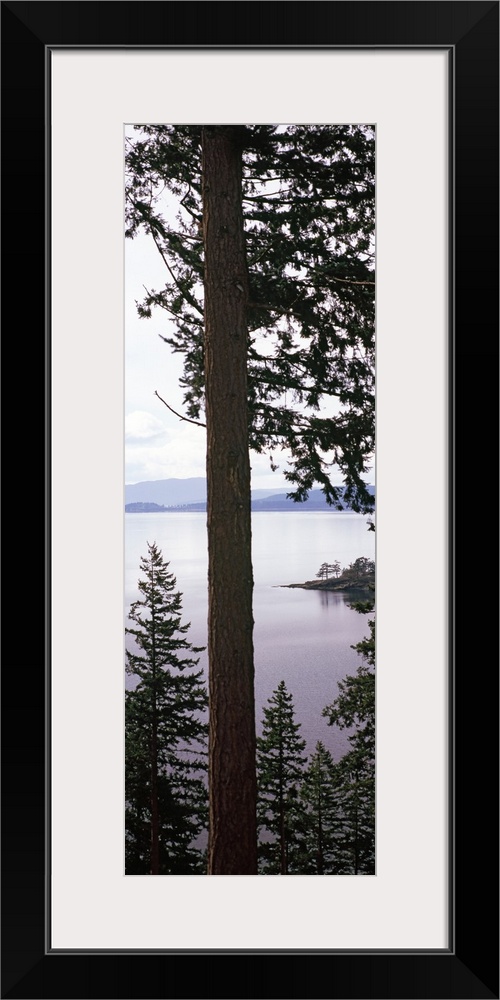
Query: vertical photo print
(249, 604)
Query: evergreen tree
(355, 707)
(280, 768)
(165, 735)
(323, 815)
(323, 571)
(269, 281)
(355, 845)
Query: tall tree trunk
(232, 770)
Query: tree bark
(232, 769)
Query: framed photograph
(76, 77)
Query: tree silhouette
(354, 707)
(323, 815)
(280, 767)
(165, 733)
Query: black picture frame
(469, 969)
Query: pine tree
(355, 847)
(355, 707)
(323, 819)
(280, 768)
(165, 734)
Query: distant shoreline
(176, 496)
(360, 587)
(258, 508)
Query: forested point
(359, 575)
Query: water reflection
(330, 597)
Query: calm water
(302, 637)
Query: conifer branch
(321, 272)
(278, 309)
(177, 282)
(187, 419)
(156, 297)
(349, 281)
(189, 210)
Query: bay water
(303, 637)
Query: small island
(358, 576)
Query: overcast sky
(157, 444)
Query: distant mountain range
(167, 492)
(175, 492)
(174, 495)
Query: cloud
(176, 454)
(153, 451)
(141, 427)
